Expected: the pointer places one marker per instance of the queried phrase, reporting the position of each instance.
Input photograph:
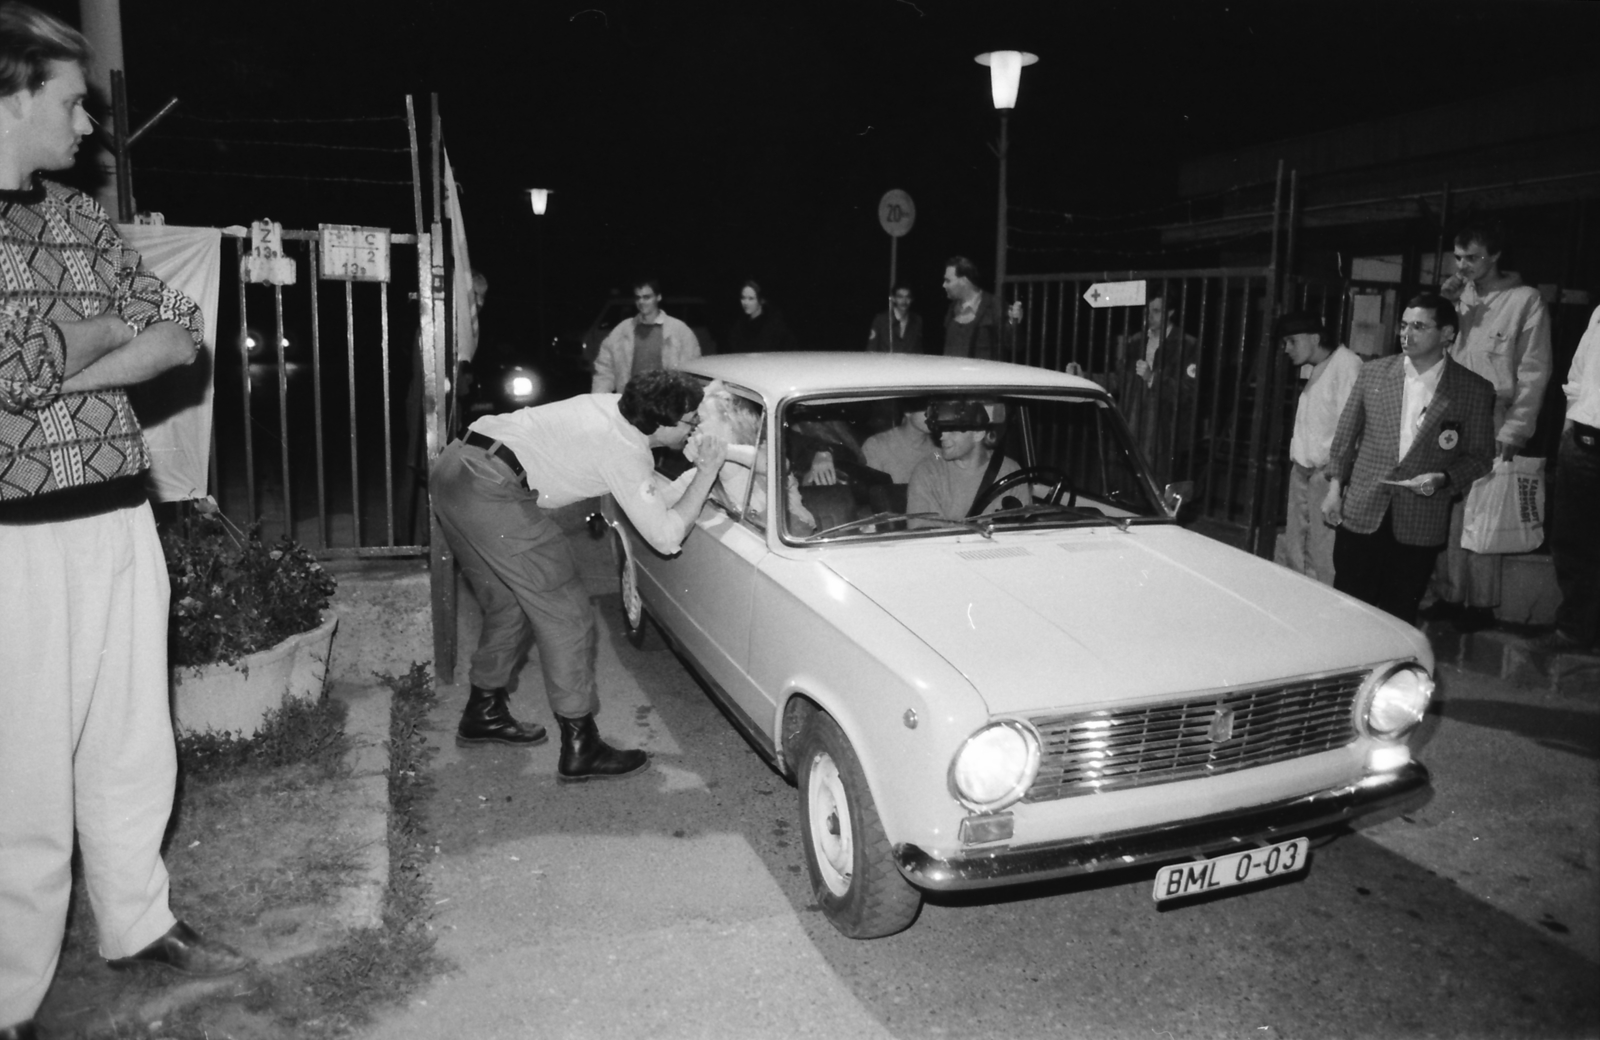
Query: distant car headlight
(522, 385)
(995, 766)
(1395, 701)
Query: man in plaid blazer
(1417, 431)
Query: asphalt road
(676, 903)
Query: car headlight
(995, 765)
(522, 385)
(1395, 701)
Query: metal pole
(416, 164)
(888, 324)
(119, 123)
(1000, 220)
(1444, 222)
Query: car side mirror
(1174, 495)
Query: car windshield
(909, 465)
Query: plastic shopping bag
(1505, 509)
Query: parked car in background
(1060, 680)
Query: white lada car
(1010, 663)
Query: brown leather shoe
(186, 952)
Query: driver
(965, 465)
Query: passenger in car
(902, 449)
(737, 421)
(966, 463)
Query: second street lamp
(1005, 73)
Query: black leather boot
(487, 720)
(584, 756)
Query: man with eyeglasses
(1505, 338)
(651, 341)
(1415, 433)
(493, 490)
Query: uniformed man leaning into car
(493, 491)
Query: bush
(233, 595)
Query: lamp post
(539, 199)
(1005, 72)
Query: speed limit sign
(896, 212)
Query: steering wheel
(1060, 485)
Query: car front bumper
(1205, 835)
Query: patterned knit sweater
(61, 260)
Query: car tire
(637, 624)
(857, 884)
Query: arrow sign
(1115, 294)
(896, 213)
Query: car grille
(1159, 744)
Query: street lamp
(539, 199)
(1005, 72)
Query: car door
(706, 594)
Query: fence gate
(1222, 418)
(319, 426)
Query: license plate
(1236, 868)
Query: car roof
(785, 374)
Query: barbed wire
(271, 176)
(273, 121)
(290, 144)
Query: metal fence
(1218, 405)
(319, 428)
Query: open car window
(875, 466)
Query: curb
(1513, 658)
(360, 904)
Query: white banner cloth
(175, 408)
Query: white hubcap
(829, 807)
(632, 605)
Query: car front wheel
(637, 625)
(852, 865)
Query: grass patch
(257, 856)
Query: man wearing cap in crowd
(1330, 374)
(1416, 432)
(966, 462)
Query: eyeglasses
(691, 420)
(1416, 326)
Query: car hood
(1042, 620)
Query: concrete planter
(233, 698)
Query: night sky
(712, 141)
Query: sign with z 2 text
(896, 212)
(354, 254)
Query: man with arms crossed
(491, 491)
(1308, 542)
(1416, 432)
(85, 731)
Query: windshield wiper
(1046, 508)
(982, 524)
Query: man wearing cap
(1416, 432)
(965, 463)
(1308, 541)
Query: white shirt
(582, 448)
(1583, 378)
(1321, 403)
(1419, 390)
